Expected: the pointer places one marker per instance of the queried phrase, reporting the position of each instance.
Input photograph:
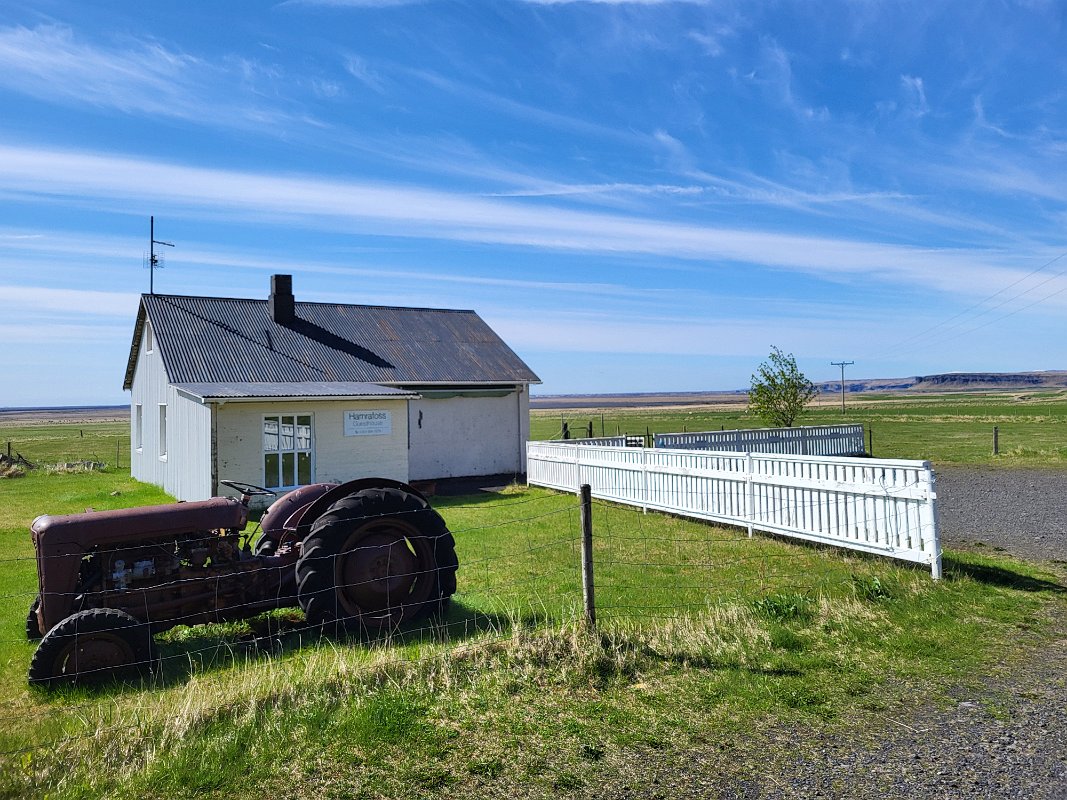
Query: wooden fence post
(750, 493)
(585, 493)
(996, 440)
(870, 441)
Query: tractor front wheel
(375, 559)
(92, 646)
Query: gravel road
(1001, 736)
(1022, 511)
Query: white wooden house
(281, 394)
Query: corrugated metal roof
(249, 391)
(227, 340)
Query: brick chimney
(281, 304)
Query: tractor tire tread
(136, 634)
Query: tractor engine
(203, 576)
(194, 555)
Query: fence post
(585, 493)
(929, 526)
(870, 441)
(644, 481)
(996, 440)
(751, 492)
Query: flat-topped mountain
(954, 381)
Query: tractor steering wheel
(248, 489)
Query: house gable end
(135, 346)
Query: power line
(904, 344)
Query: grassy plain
(949, 428)
(52, 443)
(705, 636)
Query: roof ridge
(313, 303)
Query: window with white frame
(138, 426)
(149, 345)
(162, 430)
(287, 449)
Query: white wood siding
(239, 440)
(462, 436)
(185, 470)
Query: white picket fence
(808, 440)
(881, 506)
(608, 441)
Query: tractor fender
(284, 513)
(319, 506)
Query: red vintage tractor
(365, 555)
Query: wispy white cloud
(711, 41)
(52, 64)
(19, 250)
(49, 62)
(602, 191)
(914, 95)
(405, 210)
(25, 332)
(487, 99)
(775, 74)
(358, 68)
(78, 301)
(617, 2)
(722, 336)
(354, 3)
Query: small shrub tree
(779, 390)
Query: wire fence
(90, 449)
(527, 565)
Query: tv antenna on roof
(152, 261)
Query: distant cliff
(950, 381)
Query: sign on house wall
(368, 423)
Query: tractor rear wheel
(92, 646)
(33, 628)
(375, 559)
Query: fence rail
(881, 506)
(810, 440)
(606, 441)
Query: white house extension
(281, 394)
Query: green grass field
(704, 634)
(102, 442)
(950, 429)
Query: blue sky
(637, 196)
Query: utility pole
(842, 364)
(153, 259)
